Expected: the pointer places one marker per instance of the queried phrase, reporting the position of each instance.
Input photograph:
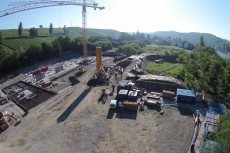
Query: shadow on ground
(110, 113)
(122, 114)
(154, 107)
(126, 114)
(185, 111)
(73, 80)
(69, 110)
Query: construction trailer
(126, 98)
(126, 85)
(185, 96)
(122, 95)
(132, 95)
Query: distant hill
(194, 37)
(12, 40)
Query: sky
(208, 16)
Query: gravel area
(74, 122)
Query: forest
(11, 60)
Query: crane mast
(84, 32)
(29, 5)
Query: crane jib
(23, 6)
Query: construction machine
(81, 69)
(100, 77)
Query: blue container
(185, 96)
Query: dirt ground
(74, 122)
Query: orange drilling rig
(100, 77)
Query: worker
(113, 88)
(107, 80)
(196, 117)
(141, 105)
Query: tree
(33, 54)
(20, 29)
(41, 26)
(51, 29)
(33, 32)
(1, 38)
(221, 134)
(47, 51)
(202, 41)
(65, 30)
(209, 71)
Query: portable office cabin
(132, 96)
(185, 96)
(122, 85)
(122, 95)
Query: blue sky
(209, 16)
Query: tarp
(217, 108)
(211, 147)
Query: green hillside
(12, 40)
(194, 37)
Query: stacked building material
(212, 116)
(211, 120)
(39, 76)
(152, 100)
(156, 93)
(168, 94)
(158, 83)
(59, 68)
(131, 105)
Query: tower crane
(29, 5)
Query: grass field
(12, 40)
(168, 69)
(163, 50)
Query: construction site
(103, 106)
(98, 104)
